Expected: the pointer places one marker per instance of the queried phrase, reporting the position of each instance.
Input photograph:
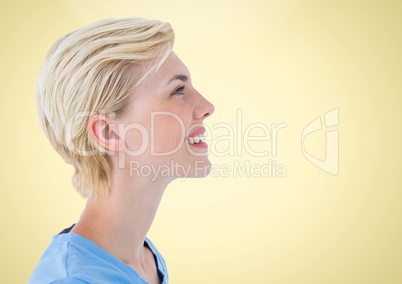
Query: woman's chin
(200, 169)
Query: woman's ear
(104, 132)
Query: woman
(118, 104)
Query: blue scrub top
(71, 258)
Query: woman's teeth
(196, 139)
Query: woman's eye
(179, 91)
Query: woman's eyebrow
(183, 78)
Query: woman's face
(163, 125)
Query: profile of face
(161, 130)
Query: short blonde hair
(93, 70)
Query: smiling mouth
(196, 139)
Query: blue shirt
(71, 258)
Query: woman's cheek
(168, 133)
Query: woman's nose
(203, 109)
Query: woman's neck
(119, 221)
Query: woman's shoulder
(71, 257)
(53, 264)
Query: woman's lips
(198, 131)
(197, 138)
(202, 145)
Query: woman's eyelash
(178, 91)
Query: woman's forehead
(172, 67)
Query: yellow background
(278, 61)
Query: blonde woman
(118, 105)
